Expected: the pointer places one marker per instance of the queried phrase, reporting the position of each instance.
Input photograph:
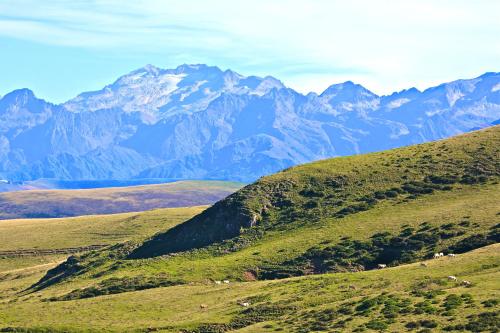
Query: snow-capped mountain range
(199, 122)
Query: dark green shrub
(412, 325)
(464, 224)
(490, 303)
(470, 243)
(366, 305)
(308, 193)
(486, 321)
(311, 204)
(345, 310)
(444, 179)
(452, 302)
(377, 325)
(428, 323)
(391, 194)
(467, 298)
(424, 307)
(470, 179)
(118, 285)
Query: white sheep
(451, 255)
(381, 265)
(226, 281)
(466, 283)
(452, 278)
(245, 304)
(217, 282)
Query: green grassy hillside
(337, 188)
(64, 203)
(88, 230)
(301, 247)
(408, 298)
(40, 241)
(291, 223)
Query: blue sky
(61, 48)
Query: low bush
(377, 324)
(486, 321)
(490, 303)
(382, 248)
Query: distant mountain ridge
(199, 122)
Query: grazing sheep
(452, 278)
(423, 264)
(203, 306)
(381, 265)
(226, 281)
(441, 254)
(245, 304)
(217, 282)
(438, 255)
(466, 283)
(451, 254)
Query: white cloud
(389, 44)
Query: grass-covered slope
(65, 203)
(81, 231)
(337, 188)
(300, 247)
(345, 214)
(408, 298)
(28, 242)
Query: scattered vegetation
(408, 204)
(381, 249)
(335, 188)
(118, 285)
(247, 317)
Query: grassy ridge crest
(335, 188)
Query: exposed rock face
(197, 121)
(224, 220)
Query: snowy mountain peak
(150, 69)
(347, 89)
(189, 68)
(196, 121)
(158, 93)
(349, 96)
(274, 81)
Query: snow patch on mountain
(161, 93)
(199, 121)
(397, 103)
(453, 96)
